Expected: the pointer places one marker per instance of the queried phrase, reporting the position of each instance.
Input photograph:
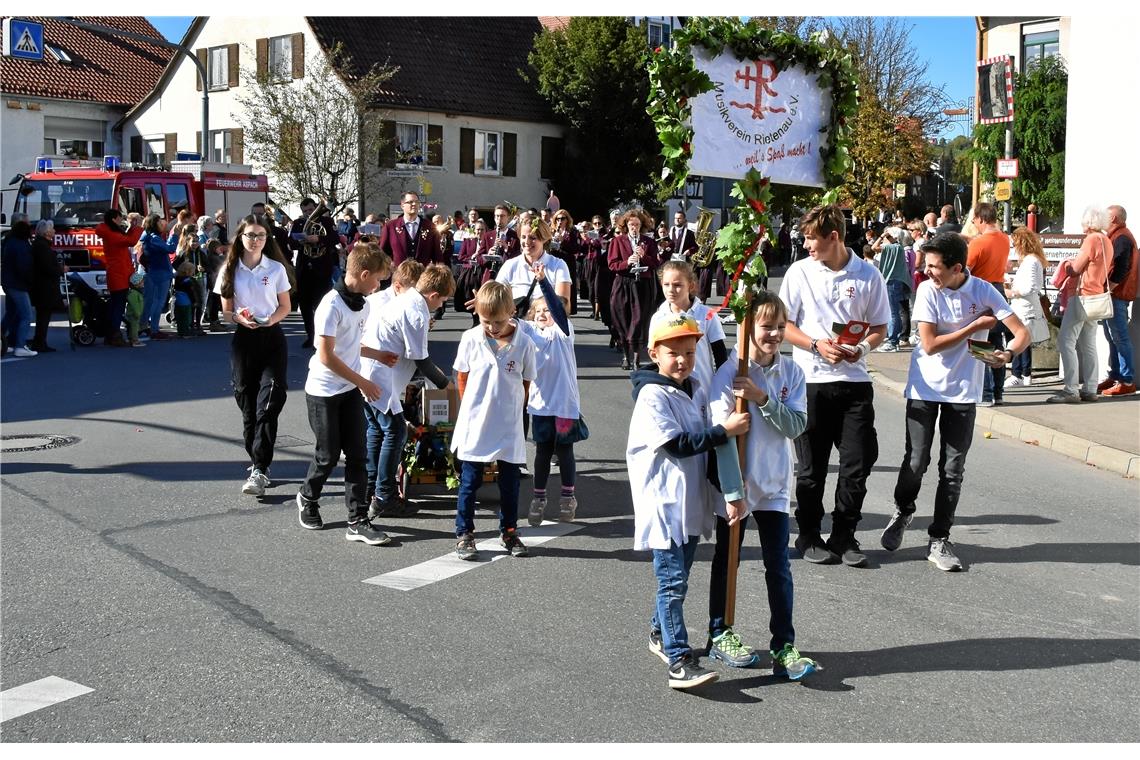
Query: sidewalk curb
(1102, 457)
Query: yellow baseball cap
(681, 326)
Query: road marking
(21, 700)
(442, 568)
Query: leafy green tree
(1040, 97)
(885, 149)
(592, 72)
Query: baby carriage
(88, 313)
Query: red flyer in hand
(849, 335)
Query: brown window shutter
(510, 151)
(202, 56)
(262, 58)
(466, 151)
(435, 145)
(233, 64)
(237, 146)
(171, 145)
(136, 149)
(551, 160)
(298, 56)
(387, 158)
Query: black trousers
(338, 425)
(310, 290)
(43, 321)
(956, 430)
(840, 415)
(258, 360)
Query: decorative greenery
(674, 79)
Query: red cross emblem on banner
(761, 82)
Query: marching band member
(633, 260)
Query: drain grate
(46, 441)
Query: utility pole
(1008, 154)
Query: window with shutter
(510, 154)
(262, 47)
(281, 59)
(488, 152)
(466, 151)
(298, 47)
(232, 63)
(217, 66)
(387, 158)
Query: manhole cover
(38, 442)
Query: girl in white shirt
(679, 286)
(1024, 295)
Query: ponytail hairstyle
(237, 248)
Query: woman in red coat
(633, 261)
(566, 245)
(117, 255)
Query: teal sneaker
(729, 649)
(788, 662)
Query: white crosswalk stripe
(21, 700)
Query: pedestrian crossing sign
(23, 39)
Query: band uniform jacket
(395, 242)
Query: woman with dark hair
(156, 259)
(254, 283)
(633, 260)
(595, 259)
(117, 245)
(566, 245)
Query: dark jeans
(773, 530)
(43, 321)
(387, 434)
(956, 429)
(310, 291)
(993, 384)
(542, 454)
(671, 566)
(840, 415)
(118, 308)
(1022, 365)
(258, 361)
(898, 297)
(470, 478)
(1115, 331)
(338, 425)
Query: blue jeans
(898, 295)
(387, 434)
(17, 317)
(1119, 344)
(156, 288)
(773, 530)
(470, 478)
(671, 566)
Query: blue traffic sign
(23, 39)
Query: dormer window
(59, 53)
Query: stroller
(88, 313)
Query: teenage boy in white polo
(944, 386)
(833, 286)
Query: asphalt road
(132, 564)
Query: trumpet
(706, 239)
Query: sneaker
(847, 548)
(687, 673)
(24, 352)
(790, 664)
(375, 508)
(365, 532)
(729, 649)
(814, 550)
(1088, 397)
(1013, 381)
(942, 555)
(136, 343)
(524, 473)
(255, 483)
(1121, 389)
(893, 533)
(1104, 385)
(567, 506)
(537, 508)
(308, 513)
(657, 646)
(887, 348)
(465, 547)
(1063, 398)
(513, 544)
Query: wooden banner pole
(742, 451)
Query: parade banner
(759, 115)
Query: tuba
(706, 239)
(313, 226)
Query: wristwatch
(815, 350)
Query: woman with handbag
(1091, 302)
(1024, 295)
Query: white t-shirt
(257, 289)
(817, 297)
(672, 498)
(333, 319)
(489, 425)
(711, 327)
(400, 326)
(554, 392)
(516, 273)
(768, 468)
(953, 375)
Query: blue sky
(946, 42)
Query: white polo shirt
(554, 392)
(257, 289)
(516, 273)
(953, 375)
(333, 319)
(399, 326)
(489, 425)
(817, 297)
(711, 327)
(672, 498)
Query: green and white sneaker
(788, 662)
(729, 649)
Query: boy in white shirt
(944, 386)
(494, 367)
(401, 328)
(333, 392)
(668, 445)
(831, 287)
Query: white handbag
(1099, 306)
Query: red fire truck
(74, 193)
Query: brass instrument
(313, 226)
(706, 239)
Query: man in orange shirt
(987, 259)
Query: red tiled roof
(554, 22)
(103, 69)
